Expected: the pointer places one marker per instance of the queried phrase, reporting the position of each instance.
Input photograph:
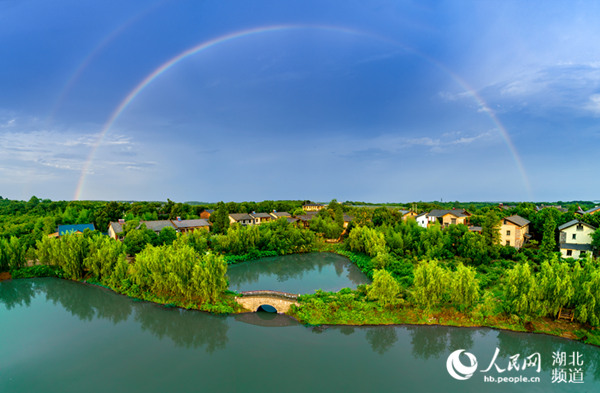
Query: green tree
(384, 289)
(430, 285)
(465, 287)
(167, 235)
(548, 239)
(555, 286)
(220, 219)
(490, 229)
(521, 291)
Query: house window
(574, 236)
(453, 220)
(507, 233)
(505, 223)
(580, 227)
(508, 242)
(569, 253)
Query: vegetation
(418, 274)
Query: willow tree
(465, 287)
(555, 286)
(430, 285)
(384, 289)
(521, 291)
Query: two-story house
(575, 239)
(514, 230)
(449, 217)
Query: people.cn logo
(459, 371)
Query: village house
(259, 218)
(312, 207)
(277, 215)
(158, 225)
(347, 220)
(423, 219)
(514, 230)
(305, 218)
(593, 210)
(241, 218)
(190, 225)
(406, 214)
(575, 239)
(449, 217)
(115, 229)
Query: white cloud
(594, 104)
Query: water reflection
(189, 329)
(382, 338)
(435, 341)
(299, 273)
(266, 319)
(13, 295)
(212, 334)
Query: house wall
(422, 221)
(576, 254)
(312, 208)
(447, 220)
(409, 215)
(582, 236)
(516, 238)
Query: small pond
(298, 273)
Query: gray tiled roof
(573, 222)
(573, 246)
(158, 225)
(593, 210)
(117, 227)
(241, 216)
(200, 222)
(261, 215)
(281, 214)
(454, 212)
(517, 220)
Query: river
(63, 336)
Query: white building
(575, 239)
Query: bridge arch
(279, 301)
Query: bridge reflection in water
(275, 300)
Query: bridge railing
(285, 295)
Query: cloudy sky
(380, 101)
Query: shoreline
(327, 325)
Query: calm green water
(61, 336)
(298, 273)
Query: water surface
(62, 336)
(297, 273)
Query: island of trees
(436, 275)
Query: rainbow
(270, 29)
(95, 52)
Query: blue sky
(380, 101)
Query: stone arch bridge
(281, 301)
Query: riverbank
(353, 308)
(345, 309)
